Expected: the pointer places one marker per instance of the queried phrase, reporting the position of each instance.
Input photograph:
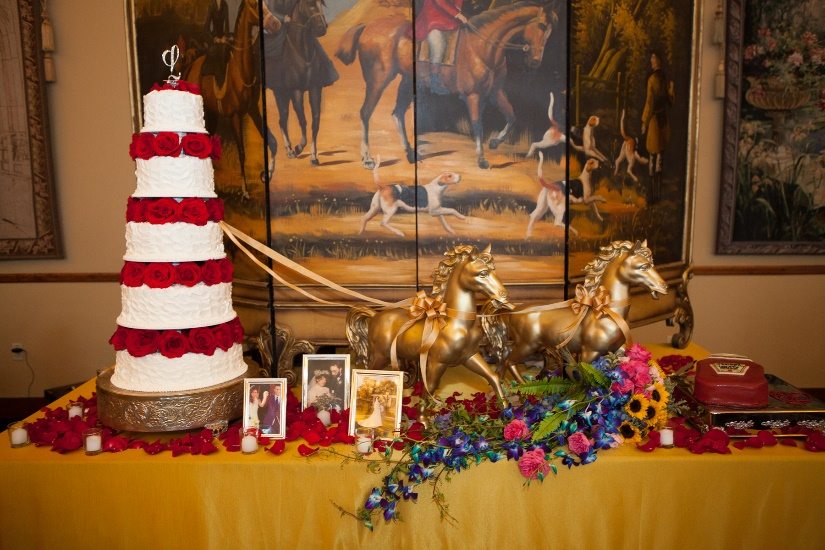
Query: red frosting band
(169, 144)
(179, 85)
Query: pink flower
(532, 464)
(637, 372)
(578, 443)
(626, 386)
(516, 429)
(638, 353)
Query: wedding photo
(375, 402)
(325, 381)
(265, 406)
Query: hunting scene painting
(394, 131)
(773, 180)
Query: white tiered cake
(177, 330)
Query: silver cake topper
(170, 59)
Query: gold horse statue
(441, 330)
(591, 324)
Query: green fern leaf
(549, 425)
(555, 385)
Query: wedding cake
(177, 329)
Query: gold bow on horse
(434, 313)
(599, 303)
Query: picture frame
(330, 372)
(29, 227)
(769, 197)
(258, 408)
(376, 387)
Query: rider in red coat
(435, 18)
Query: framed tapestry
(772, 199)
(29, 226)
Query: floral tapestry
(773, 182)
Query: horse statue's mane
(452, 258)
(595, 269)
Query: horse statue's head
(630, 263)
(473, 271)
(537, 31)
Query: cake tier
(731, 382)
(156, 373)
(175, 177)
(172, 111)
(173, 242)
(176, 307)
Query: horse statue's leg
(475, 107)
(298, 107)
(478, 365)
(315, 109)
(506, 109)
(402, 103)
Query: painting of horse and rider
(383, 132)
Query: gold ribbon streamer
(236, 235)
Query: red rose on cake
(227, 270)
(141, 342)
(166, 144)
(159, 275)
(237, 330)
(118, 339)
(132, 274)
(202, 340)
(141, 146)
(187, 274)
(164, 210)
(194, 211)
(211, 273)
(197, 145)
(173, 344)
(223, 336)
(215, 208)
(135, 210)
(217, 149)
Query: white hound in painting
(552, 198)
(628, 153)
(553, 136)
(588, 146)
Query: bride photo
(376, 402)
(325, 381)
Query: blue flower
(443, 421)
(514, 450)
(389, 509)
(407, 492)
(373, 500)
(481, 445)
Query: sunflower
(630, 432)
(637, 406)
(659, 394)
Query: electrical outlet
(18, 352)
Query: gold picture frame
(375, 402)
(29, 227)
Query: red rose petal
(278, 447)
(304, 450)
(653, 441)
(311, 437)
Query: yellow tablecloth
(767, 498)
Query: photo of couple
(265, 406)
(325, 381)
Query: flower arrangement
(617, 398)
(327, 402)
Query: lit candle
(93, 444)
(75, 409)
(19, 437)
(363, 445)
(666, 437)
(249, 444)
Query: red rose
(196, 145)
(190, 87)
(237, 330)
(141, 342)
(223, 336)
(193, 211)
(118, 339)
(211, 273)
(217, 149)
(143, 146)
(132, 274)
(159, 275)
(132, 147)
(215, 209)
(187, 274)
(163, 210)
(226, 270)
(167, 144)
(135, 210)
(173, 344)
(202, 340)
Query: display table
(771, 497)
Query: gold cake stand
(133, 411)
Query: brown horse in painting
(385, 49)
(241, 89)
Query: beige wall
(65, 327)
